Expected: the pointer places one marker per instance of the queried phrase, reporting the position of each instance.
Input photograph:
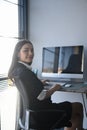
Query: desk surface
(78, 88)
(75, 87)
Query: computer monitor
(63, 62)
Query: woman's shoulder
(19, 70)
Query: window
(13, 23)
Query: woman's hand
(54, 88)
(44, 81)
(57, 87)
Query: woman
(20, 66)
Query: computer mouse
(67, 85)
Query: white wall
(57, 22)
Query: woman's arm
(47, 93)
(54, 88)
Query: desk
(74, 88)
(78, 88)
(72, 94)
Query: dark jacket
(32, 85)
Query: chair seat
(48, 120)
(48, 126)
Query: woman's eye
(25, 50)
(32, 50)
(28, 50)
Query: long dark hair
(15, 56)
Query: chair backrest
(22, 92)
(24, 105)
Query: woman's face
(26, 53)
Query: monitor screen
(65, 62)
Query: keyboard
(51, 83)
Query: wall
(57, 22)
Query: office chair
(30, 119)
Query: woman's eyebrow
(26, 48)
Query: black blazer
(33, 87)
